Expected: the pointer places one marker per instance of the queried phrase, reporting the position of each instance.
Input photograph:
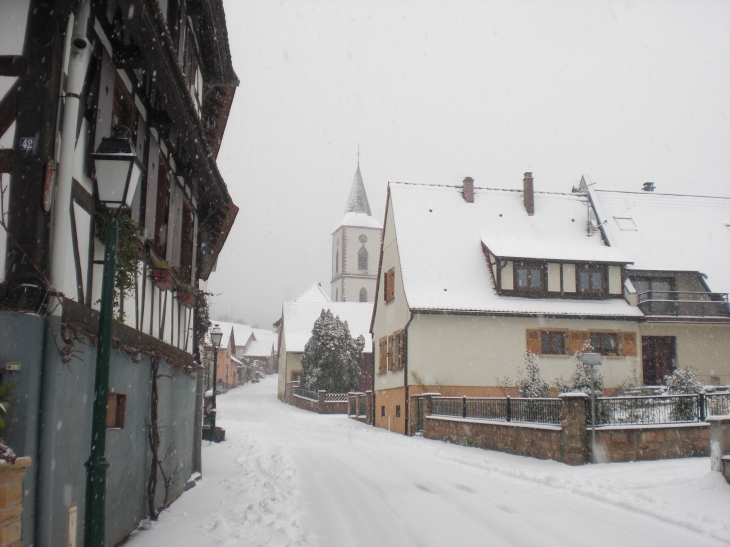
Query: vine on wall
(128, 257)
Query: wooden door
(658, 355)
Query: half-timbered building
(70, 72)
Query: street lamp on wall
(117, 175)
(216, 334)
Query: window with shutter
(383, 355)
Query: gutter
(78, 66)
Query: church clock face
(363, 239)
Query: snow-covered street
(288, 477)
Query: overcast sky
(626, 92)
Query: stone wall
(11, 499)
(659, 442)
(571, 441)
(320, 406)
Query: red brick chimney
(529, 194)
(469, 190)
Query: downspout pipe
(63, 275)
(405, 375)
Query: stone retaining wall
(11, 498)
(659, 442)
(320, 406)
(570, 442)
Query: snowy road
(288, 477)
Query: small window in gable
(626, 224)
(363, 295)
(389, 285)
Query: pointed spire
(358, 200)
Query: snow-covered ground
(288, 477)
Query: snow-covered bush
(683, 381)
(530, 383)
(580, 380)
(331, 357)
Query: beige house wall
(288, 362)
(462, 350)
(390, 316)
(705, 348)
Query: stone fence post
(321, 394)
(719, 440)
(575, 438)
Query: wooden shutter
(390, 352)
(533, 341)
(577, 339)
(396, 354)
(390, 285)
(628, 343)
(402, 349)
(383, 355)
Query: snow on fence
(658, 409)
(547, 411)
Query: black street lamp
(117, 174)
(215, 339)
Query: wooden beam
(12, 65)
(6, 161)
(9, 108)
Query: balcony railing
(675, 303)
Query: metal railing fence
(306, 393)
(547, 411)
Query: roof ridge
(483, 188)
(642, 193)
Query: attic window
(626, 224)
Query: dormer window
(529, 276)
(591, 279)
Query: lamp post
(592, 360)
(117, 174)
(215, 339)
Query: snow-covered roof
(235, 360)
(314, 294)
(359, 220)
(440, 247)
(241, 333)
(299, 318)
(226, 329)
(671, 232)
(258, 348)
(537, 246)
(263, 335)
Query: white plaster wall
(553, 277)
(614, 280)
(569, 277)
(13, 20)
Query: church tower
(355, 249)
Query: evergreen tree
(331, 357)
(580, 380)
(530, 383)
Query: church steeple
(358, 200)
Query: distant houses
(295, 329)
(470, 279)
(245, 353)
